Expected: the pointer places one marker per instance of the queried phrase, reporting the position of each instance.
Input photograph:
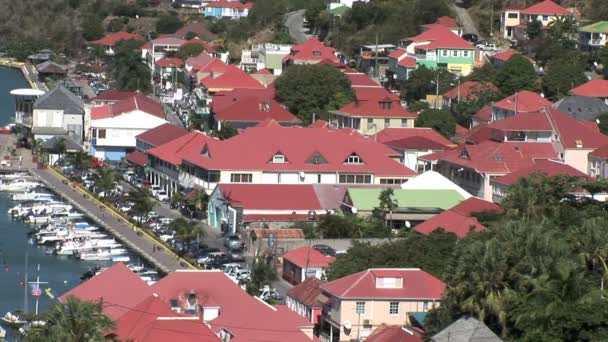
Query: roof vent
(516, 148)
(579, 143)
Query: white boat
(38, 218)
(67, 234)
(9, 176)
(32, 196)
(12, 321)
(19, 185)
(49, 208)
(70, 247)
(121, 258)
(102, 254)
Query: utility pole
(437, 90)
(492, 19)
(376, 72)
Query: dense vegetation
(536, 274)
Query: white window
(354, 159)
(455, 53)
(403, 122)
(278, 159)
(425, 306)
(545, 17)
(444, 53)
(360, 308)
(370, 123)
(387, 123)
(465, 53)
(393, 308)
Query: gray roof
(581, 108)
(43, 130)
(70, 145)
(466, 329)
(60, 98)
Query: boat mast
(37, 291)
(25, 302)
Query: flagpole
(37, 289)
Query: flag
(48, 293)
(36, 292)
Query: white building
(58, 113)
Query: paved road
(468, 24)
(141, 244)
(294, 21)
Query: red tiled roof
(393, 334)
(474, 205)
(307, 292)
(174, 150)
(440, 37)
(254, 110)
(417, 284)
(114, 38)
(206, 45)
(525, 101)
(373, 93)
(229, 4)
(138, 158)
(573, 133)
(254, 148)
(373, 108)
(447, 22)
(138, 102)
(360, 79)
(245, 317)
(407, 62)
(397, 53)
(496, 157)
(307, 257)
(600, 153)
(162, 134)
(169, 62)
(524, 122)
(284, 233)
(547, 7)
(312, 49)
(593, 88)
(153, 321)
(484, 114)
(131, 291)
(319, 124)
(114, 95)
(275, 218)
(225, 99)
(413, 138)
(451, 222)
(546, 167)
(231, 78)
(470, 90)
(263, 72)
(271, 196)
(167, 40)
(506, 55)
(460, 130)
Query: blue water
(10, 78)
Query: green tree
(423, 82)
(186, 231)
(105, 179)
(115, 25)
(226, 132)
(603, 123)
(127, 70)
(516, 74)
(564, 30)
(388, 202)
(59, 147)
(534, 29)
(189, 50)
(603, 60)
(74, 321)
(92, 27)
(440, 120)
(168, 23)
(262, 273)
(266, 12)
(308, 89)
(563, 74)
(464, 109)
(80, 160)
(142, 204)
(486, 73)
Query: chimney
(267, 105)
(579, 143)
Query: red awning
(138, 158)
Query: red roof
(263, 72)
(271, 196)
(174, 150)
(138, 102)
(547, 7)
(153, 321)
(114, 38)
(393, 334)
(162, 134)
(275, 218)
(229, 4)
(114, 95)
(252, 109)
(131, 291)
(417, 284)
(373, 108)
(224, 99)
(484, 114)
(243, 316)
(230, 78)
(470, 90)
(451, 222)
(358, 79)
(281, 233)
(593, 88)
(254, 148)
(600, 153)
(312, 49)
(169, 62)
(447, 22)
(413, 138)
(407, 62)
(496, 157)
(206, 45)
(307, 292)
(525, 101)
(474, 205)
(167, 40)
(397, 53)
(307, 257)
(546, 167)
(138, 158)
(319, 124)
(506, 55)
(439, 37)
(573, 133)
(538, 122)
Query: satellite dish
(353, 210)
(302, 175)
(408, 224)
(347, 325)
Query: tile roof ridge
(187, 142)
(355, 283)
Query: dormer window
(316, 53)
(279, 158)
(316, 159)
(386, 105)
(465, 154)
(389, 282)
(354, 159)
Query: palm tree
(74, 321)
(388, 203)
(186, 231)
(104, 179)
(80, 160)
(142, 204)
(200, 200)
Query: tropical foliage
(142, 204)
(105, 179)
(127, 70)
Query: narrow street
(294, 21)
(463, 17)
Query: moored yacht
(19, 185)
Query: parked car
(162, 196)
(325, 250)
(267, 293)
(233, 242)
(125, 207)
(129, 176)
(167, 235)
(487, 46)
(471, 37)
(154, 189)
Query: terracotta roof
(538, 122)
(525, 101)
(407, 62)
(153, 321)
(254, 148)
(600, 153)
(229, 4)
(413, 138)
(469, 90)
(373, 108)
(319, 124)
(312, 49)
(131, 291)
(284, 233)
(173, 151)
(138, 158)
(114, 95)
(275, 218)
(169, 62)
(198, 28)
(546, 167)
(484, 114)
(496, 157)
(252, 109)
(573, 133)
(393, 334)
(547, 7)
(593, 88)
(167, 40)
(245, 317)
(307, 292)
(263, 72)
(138, 102)
(230, 78)
(114, 38)
(447, 22)
(162, 134)
(270, 196)
(506, 55)
(474, 205)
(358, 79)
(417, 284)
(439, 37)
(397, 53)
(308, 257)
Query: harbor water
(10, 78)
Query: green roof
(339, 11)
(367, 199)
(600, 26)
